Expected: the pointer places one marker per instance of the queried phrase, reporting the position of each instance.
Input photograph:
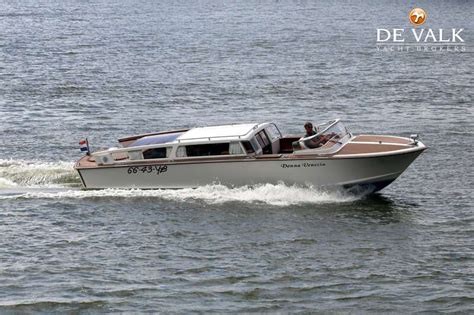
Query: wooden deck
(374, 144)
(384, 139)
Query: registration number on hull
(150, 169)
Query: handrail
(335, 121)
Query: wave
(277, 195)
(22, 179)
(23, 173)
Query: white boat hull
(375, 171)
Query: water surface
(109, 69)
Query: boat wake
(23, 173)
(278, 195)
(47, 180)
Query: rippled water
(110, 69)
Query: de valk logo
(419, 38)
(417, 16)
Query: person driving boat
(308, 126)
(310, 143)
(315, 142)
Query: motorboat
(249, 154)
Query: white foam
(5, 183)
(278, 195)
(21, 179)
(25, 173)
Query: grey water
(107, 69)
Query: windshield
(328, 132)
(335, 131)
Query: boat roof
(227, 132)
(156, 139)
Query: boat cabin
(223, 142)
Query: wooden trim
(283, 158)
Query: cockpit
(327, 135)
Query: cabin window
(156, 153)
(181, 152)
(248, 147)
(255, 145)
(204, 150)
(264, 142)
(273, 132)
(235, 148)
(262, 138)
(135, 155)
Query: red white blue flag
(84, 145)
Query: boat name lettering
(147, 169)
(284, 165)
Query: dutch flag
(84, 145)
